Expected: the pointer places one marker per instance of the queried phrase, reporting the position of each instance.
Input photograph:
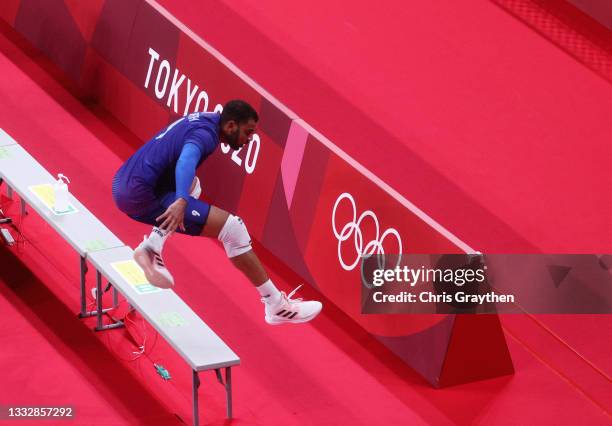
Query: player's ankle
(269, 293)
(157, 238)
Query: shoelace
(287, 297)
(290, 311)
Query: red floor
(51, 357)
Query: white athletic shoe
(289, 310)
(153, 266)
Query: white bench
(82, 230)
(199, 346)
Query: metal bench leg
(23, 206)
(228, 391)
(83, 312)
(99, 300)
(9, 192)
(228, 388)
(99, 311)
(115, 298)
(196, 411)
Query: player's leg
(246, 261)
(232, 232)
(158, 236)
(148, 253)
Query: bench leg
(99, 311)
(23, 206)
(228, 388)
(228, 391)
(115, 298)
(196, 411)
(9, 192)
(99, 300)
(83, 312)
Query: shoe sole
(141, 257)
(301, 320)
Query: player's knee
(235, 237)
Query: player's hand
(174, 216)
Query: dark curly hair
(238, 111)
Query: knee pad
(235, 237)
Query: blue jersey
(150, 172)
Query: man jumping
(157, 185)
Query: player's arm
(185, 171)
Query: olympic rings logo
(353, 228)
